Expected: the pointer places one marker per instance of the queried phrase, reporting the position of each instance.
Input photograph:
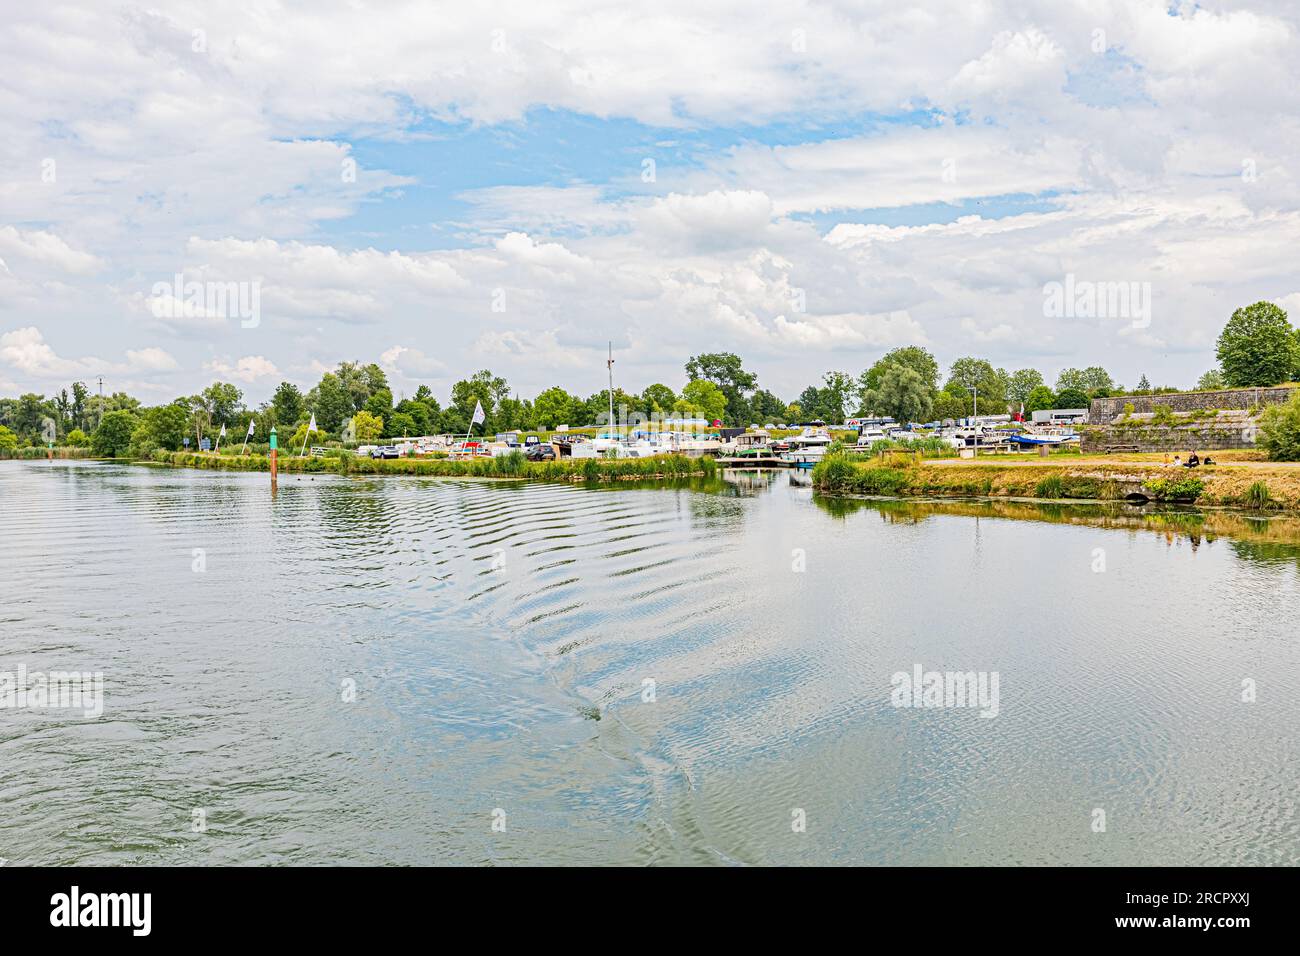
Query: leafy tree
(423, 422)
(113, 436)
(657, 398)
(1071, 398)
(991, 383)
(332, 402)
(223, 403)
(1257, 347)
(702, 398)
(161, 427)
(8, 440)
(482, 387)
(1022, 383)
(904, 394)
(1143, 384)
(1086, 380)
(77, 438)
(367, 427)
(948, 405)
(911, 356)
(838, 388)
(810, 403)
(1211, 381)
(287, 405)
(767, 407)
(793, 413)
(555, 407)
(725, 370)
(402, 425)
(80, 394)
(1038, 399)
(380, 403)
(1279, 429)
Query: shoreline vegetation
(1236, 483)
(513, 465)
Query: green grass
(513, 465)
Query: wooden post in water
(274, 478)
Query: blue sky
(829, 182)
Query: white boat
(808, 448)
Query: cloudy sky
(448, 187)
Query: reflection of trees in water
(1270, 553)
(1271, 539)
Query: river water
(403, 670)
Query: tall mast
(610, 365)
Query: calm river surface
(501, 636)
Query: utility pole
(101, 402)
(610, 365)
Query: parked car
(542, 452)
(386, 451)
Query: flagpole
(243, 450)
(217, 450)
(302, 451)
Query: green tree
(8, 440)
(1279, 430)
(658, 398)
(1039, 399)
(837, 390)
(161, 427)
(113, 436)
(702, 398)
(483, 387)
(1087, 380)
(911, 356)
(555, 407)
(1211, 381)
(904, 394)
(725, 370)
(332, 402)
(950, 406)
(1257, 347)
(767, 407)
(223, 402)
(80, 395)
(1070, 398)
(971, 372)
(380, 403)
(1023, 382)
(367, 427)
(77, 438)
(401, 426)
(287, 404)
(1143, 384)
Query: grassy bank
(505, 466)
(34, 452)
(1244, 485)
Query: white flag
(478, 413)
(312, 426)
(223, 432)
(250, 426)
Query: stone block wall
(1106, 410)
(1172, 439)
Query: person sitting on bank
(1193, 459)
(1178, 461)
(1207, 460)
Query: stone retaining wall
(1106, 410)
(1181, 439)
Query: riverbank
(505, 466)
(1239, 484)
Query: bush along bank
(36, 451)
(1256, 488)
(513, 465)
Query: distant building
(1061, 416)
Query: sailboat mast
(610, 365)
